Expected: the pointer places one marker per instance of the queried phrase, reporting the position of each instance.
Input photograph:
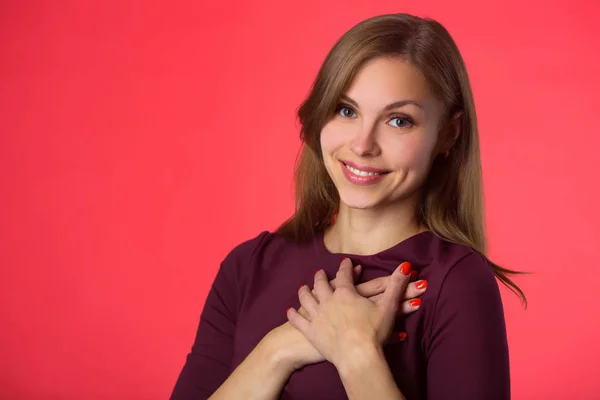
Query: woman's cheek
(330, 139)
(414, 158)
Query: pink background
(141, 141)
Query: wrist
(359, 359)
(279, 357)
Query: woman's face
(379, 145)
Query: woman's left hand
(343, 320)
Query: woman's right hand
(290, 349)
(373, 290)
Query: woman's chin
(359, 202)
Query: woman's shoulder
(449, 257)
(454, 267)
(266, 247)
(457, 274)
(265, 241)
(259, 253)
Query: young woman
(388, 186)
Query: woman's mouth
(362, 174)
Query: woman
(389, 181)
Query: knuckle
(376, 285)
(411, 291)
(383, 283)
(376, 298)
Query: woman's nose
(364, 142)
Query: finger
(357, 271)
(413, 275)
(397, 337)
(321, 288)
(396, 287)
(377, 298)
(344, 278)
(307, 300)
(407, 307)
(373, 287)
(298, 321)
(415, 289)
(378, 285)
(302, 311)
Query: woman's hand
(289, 347)
(343, 320)
(292, 350)
(373, 290)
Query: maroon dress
(456, 346)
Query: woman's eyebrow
(390, 106)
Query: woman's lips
(362, 175)
(364, 168)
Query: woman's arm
(206, 374)
(261, 376)
(367, 375)
(466, 347)
(349, 330)
(207, 370)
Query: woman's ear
(450, 133)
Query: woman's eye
(346, 112)
(402, 122)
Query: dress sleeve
(467, 351)
(208, 364)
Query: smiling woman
(389, 202)
(386, 141)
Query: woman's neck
(367, 232)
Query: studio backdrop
(140, 141)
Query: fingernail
(344, 259)
(421, 284)
(405, 268)
(301, 286)
(317, 272)
(402, 336)
(415, 302)
(413, 274)
(288, 310)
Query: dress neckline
(409, 245)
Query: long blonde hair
(452, 206)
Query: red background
(141, 141)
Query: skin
(349, 330)
(284, 349)
(345, 324)
(404, 141)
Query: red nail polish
(405, 268)
(344, 259)
(421, 284)
(415, 302)
(301, 286)
(402, 335)
(317, 272)
(288, 310)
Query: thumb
(392, 295)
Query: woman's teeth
(361, 173)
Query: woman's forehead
(383, 82)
